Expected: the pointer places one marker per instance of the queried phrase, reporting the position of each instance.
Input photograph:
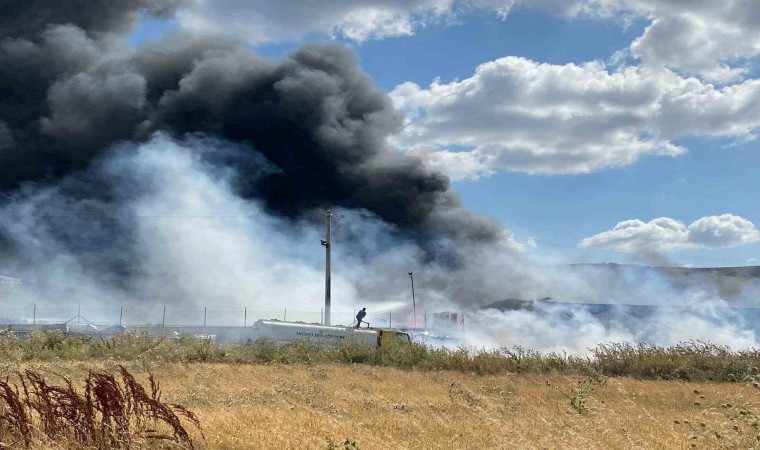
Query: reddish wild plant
(108, 414)
(14, 415)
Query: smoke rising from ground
(189, 172)
(161, 223)
(575, 329)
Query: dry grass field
(338, 406)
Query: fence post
(34, 315)
(426, 319)
(322, 316)
(121, 314)
(390, 319)
(285, 315)
(79, 313)
(163, 319)
(204, 316)
(245, 316)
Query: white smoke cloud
(606, 305)
(664, 234)
(195, 243)
(171, 230)
(575, 330)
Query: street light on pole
(414, 303)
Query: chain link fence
(131, 315)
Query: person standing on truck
(360, 316)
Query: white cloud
(725, 230)
(509, 242)
(262, 21)
(701, 37)
(664, 234)
(698, 36)
(520, 115)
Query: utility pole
(414, 303)
(326, 244)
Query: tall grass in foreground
(693, 360)
(107, 414)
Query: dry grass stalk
(109, 414)
(14, 416)
(147, 407)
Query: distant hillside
(511, 304)
(727, 282)
(745, 272)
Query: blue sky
(713, 174)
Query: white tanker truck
(281, 332)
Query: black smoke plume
(70, 88)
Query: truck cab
(385, 335)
